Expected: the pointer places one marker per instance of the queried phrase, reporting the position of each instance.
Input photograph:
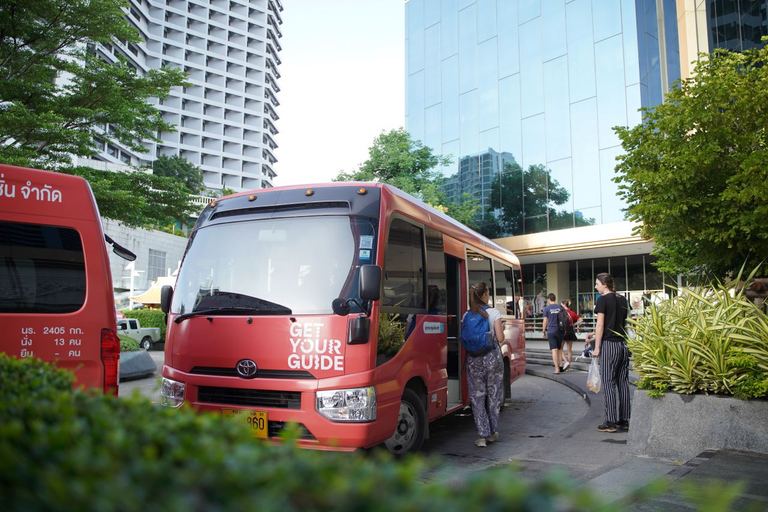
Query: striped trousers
(614, 373)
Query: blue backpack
(475, 331)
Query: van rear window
(42, 269)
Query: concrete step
(544, 357)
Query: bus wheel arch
(412, 426)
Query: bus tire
(409, 432)
(146, 343)
(507, 383)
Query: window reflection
(545, 82)
(526, 201)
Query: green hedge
(148, 318)
(64, 449)
(70, 450)
(128, 344)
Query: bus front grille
(250, 397)
(277, 427)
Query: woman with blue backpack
(481, 328)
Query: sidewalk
(600, 460)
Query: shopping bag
(593, 377)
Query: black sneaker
(622, 425)
(607, 427)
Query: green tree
(395, 158)
(57, 96)
(695, 173)
(137, 199)
(181, 169)
(524, 202)
(58, 99)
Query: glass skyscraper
(544, 82)
(538, 85)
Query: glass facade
(634, 277)
(736, 25)
(524, 94)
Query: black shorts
(555, 340)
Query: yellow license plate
(255, 421)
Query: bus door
(453, 289)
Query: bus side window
(403, 261)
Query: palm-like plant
(706, 340)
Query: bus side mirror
(119, 249)
(370, 282)
(166, 294)
(340, 307)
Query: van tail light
(110, 356)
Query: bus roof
(410, 206)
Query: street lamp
(134, 273)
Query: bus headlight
(172, 393)
(352, 405)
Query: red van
(56, 299)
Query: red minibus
(335, 307)
(56, 299)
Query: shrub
(63, 449)
(19, 377)
(128, 344)
(148, 318)
(707, 340)
(391, 334)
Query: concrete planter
(136, 364)
(682, 426)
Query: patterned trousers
(614, 373)
(485, 380)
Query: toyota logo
(246, 368)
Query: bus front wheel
(409, 432)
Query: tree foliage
(57, 96)
(137, 199)
(695, 173)
(58, 99)
(524, 202)
(181, 169)
(398, 160)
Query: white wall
(140, 241)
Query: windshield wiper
(230, 310)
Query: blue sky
(342, 83)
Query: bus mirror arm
(341, 307)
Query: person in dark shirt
(611, 349)
(552, 332)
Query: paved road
(538, 410)
(148, 386)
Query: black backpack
(563, 319)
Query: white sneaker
(493, 437)
(480, 442)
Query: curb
(549, 375)
(136, 364)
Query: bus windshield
(288, 266)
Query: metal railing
(534, 325)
